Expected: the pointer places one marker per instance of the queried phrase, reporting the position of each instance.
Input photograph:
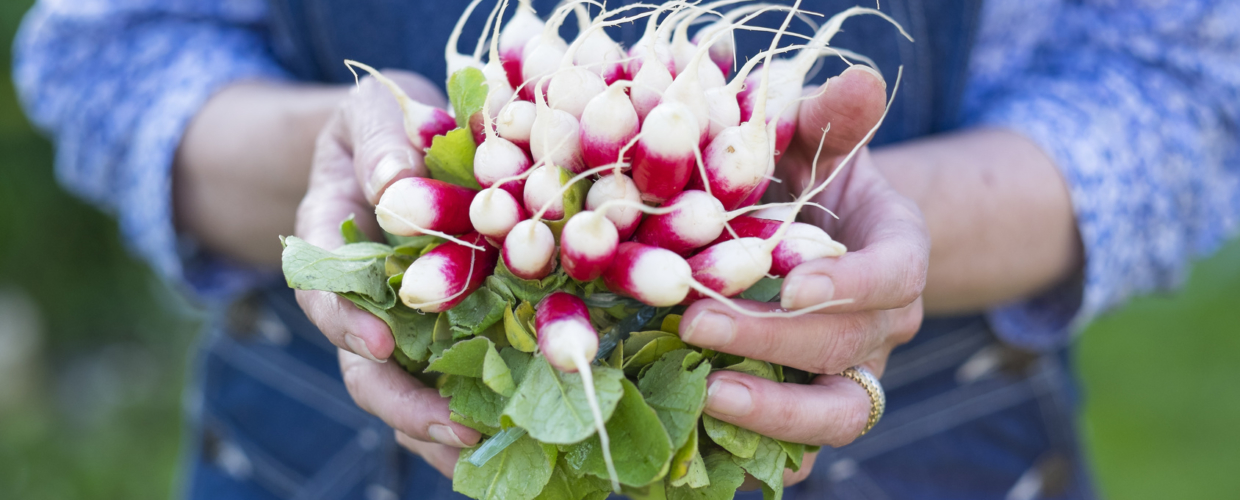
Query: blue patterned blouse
(1138, 102)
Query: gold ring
(878, 398)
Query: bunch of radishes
(631, 172)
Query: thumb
(850, 103)
(372, 129)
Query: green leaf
(531, 291)
(765, 290)
(795, 452)
(688, 468)
(739, 441)
(476, 313)
(564, 485)
(471, 423)
(553, 407)
(725, 477)
(476, 357)
(757, 368)
(471, 398)
(451, 159)
(671, 324)
(413, 331)
(514, 328)
(574, 200)
(766, 465)
(518, 362)
(353, 268)
(677, 395)
(517, 473)
(639, 445)
(652, 351)
(350, 232)
(467, 91)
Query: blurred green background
(93, 350)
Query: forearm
(243, 163)
(999, 213)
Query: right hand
(362, 150)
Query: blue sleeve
(1138, 103)
(115, 82)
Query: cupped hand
(884, 273)
(362, 150)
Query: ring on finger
(878, 398)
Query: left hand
(884, 273)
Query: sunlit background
(93, 350)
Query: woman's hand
(361, 151)
(884, 273)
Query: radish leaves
(552, 406)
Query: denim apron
(967, 417)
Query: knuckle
(843, 345)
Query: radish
(599, 52)
(515, 121)
(802, 243)
(573, 86)
(444, 276)
(494, 212)
(499, 90)
(652, 275)
(616, 187)
(555, 136)
(415, 206)
(524, 26)
(650, 80)
(497, 158)
(529, 250)
(608, 123)
(422, 122)
(569, 341)
(651, 46)
(542, 54)
(587, 245)
(730, 267)
(695, 220)
(457, 61)
(665, 152)
(683, 50)
(542, 189)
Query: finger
(829, 411)
(442, 458)
(398, 399)
(850, 103)
(332, 196)
(372, 130)
(887, 271)
(816, 343)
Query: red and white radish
(569, 341)
(444, 276)
(695, 219)
(542, 192)
(523, 26)
(529, 250)
(608, 123)
(515, 121)
(494, 212)
(616, 187)
(415, 206)
(666, 152)
(587, 245)
(802, 243)
(422, 122)
(542, 54)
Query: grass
(101, 418)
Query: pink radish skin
(617, 187)
(730, 267)
(784, 90)
(666, 153)
(541, 189)
(696, 220)
(608, 123)
(602, 55)
(414, 205)
(802, 243)
(652, 275)
(587, 245)
(494, 212)
(528, 250)
(441, 278)
(515, 121)
(736, 162)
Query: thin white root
(401, 97)
(446, 236)
(587, 381)
(730, 304)
(754, 208)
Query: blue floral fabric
(1137, 102)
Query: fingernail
(386, 170)
(867, 69)
(710, 329)
(443, 434)
(728, 398)
(806, 290)
(358, 346)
